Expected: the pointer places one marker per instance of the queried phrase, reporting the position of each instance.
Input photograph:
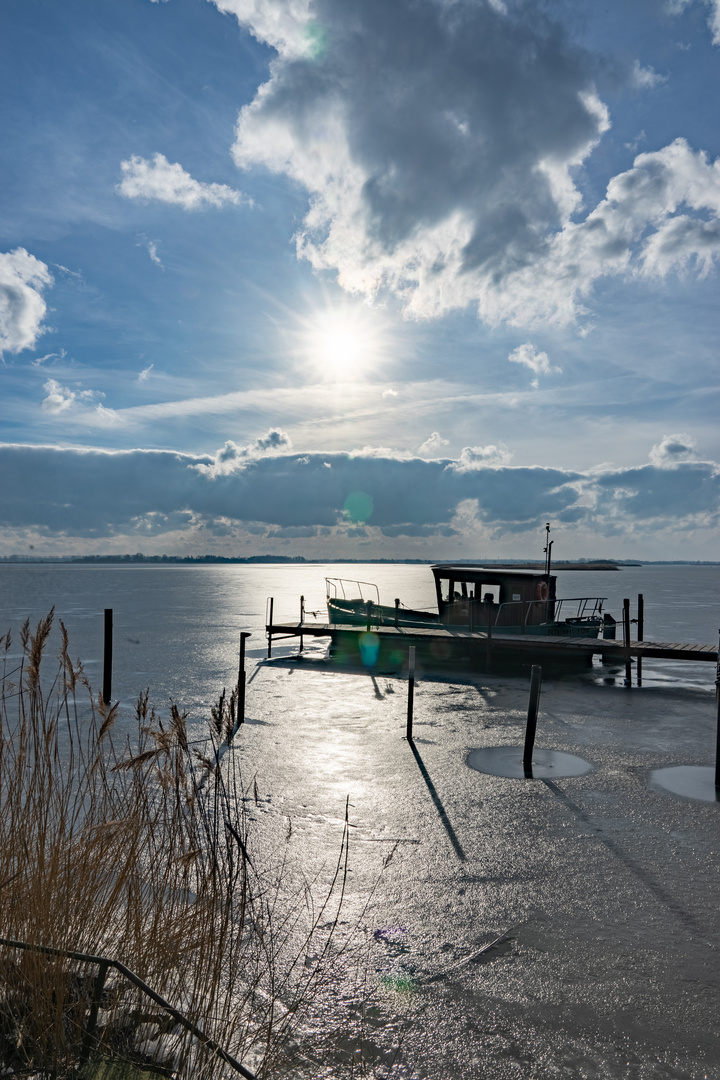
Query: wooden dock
(523, 647)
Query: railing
(360, 592)
(502, 614)
(103, 963)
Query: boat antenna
(547, 551)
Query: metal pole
(302, 620)
(535, 683)
(641, 636)
(242, 678)
(489, 635)
(411, 693)
(626, 641)
(107, 656)
(272, 602)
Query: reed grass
(138, 849)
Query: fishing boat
(474, 597)
(470, 598)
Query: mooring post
(302, 620)
(107, 656)
(411, 693)
(626, 641)
(641, 636)
(272, 602)
(98, 986)
(717, 738)
(489, 634)
(242, 678)
(397, 611)
(535, 683)
(369, 615)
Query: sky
(360, 278)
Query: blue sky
(364, 279)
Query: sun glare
(345, 344)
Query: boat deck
(537, 644)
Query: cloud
(676, 7)
(672, 449)
(439, 143)
(645, 78)
(232, 458)
(477, 457)
(538, 362)
(432, 445)
(93, 493)
(151, 248)
(389, 393)
(169, 183)
(61, 398)
(22, 307)
(145, 374)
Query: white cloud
(676, 7)
(59, 398)
(538, 362)
(169, 183)
(645, 78)
(390, 393)
(439, 145)
(22, 307)
(286, 25)
(433, 445)
(482, 457)
(145, 374)
(62, 398)
(233, 458)
(673, 449)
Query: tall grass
(137, 849)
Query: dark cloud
(439, 143)
(89, 493)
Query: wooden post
(302, 620)
(411, 693)
(397, 611)
(717, 739)
(489, 635)
(272, 603)
(98, 985)
(535, 683)
(242, 678)
(107, 656)
(641, 636)
(369, 615)
(626, 641)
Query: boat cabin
(474, 595)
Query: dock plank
(541, 644)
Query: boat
(472, 597)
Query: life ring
(542, 590)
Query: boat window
(492, 590)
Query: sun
(344, 344)
(340, 350)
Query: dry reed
(140, 853)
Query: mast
(547, 550)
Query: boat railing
(536, 612)
(347, 589)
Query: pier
(446, 643)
